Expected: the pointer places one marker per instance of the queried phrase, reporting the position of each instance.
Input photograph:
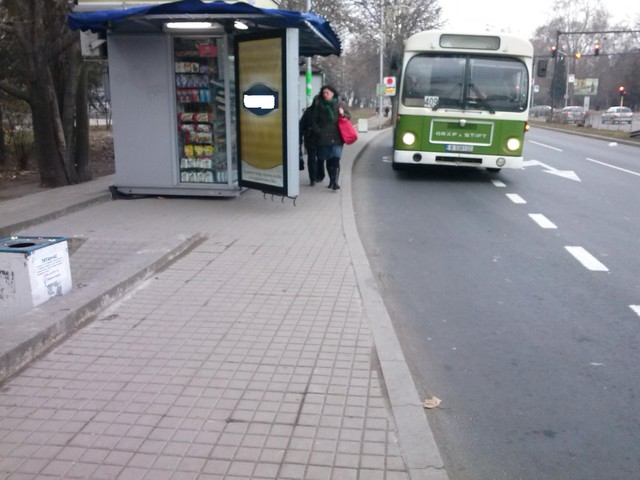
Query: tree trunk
(48, 137)
(3, 147)
(83, 162)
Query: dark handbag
(347, 132)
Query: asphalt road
(516, 297)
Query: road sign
(389, 86)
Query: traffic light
(622, 93)
(554, 50)
(596, 48)
(542, 67)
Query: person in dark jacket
(330, 143)
(309, 138)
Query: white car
(617, 115)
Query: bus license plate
(459, 148)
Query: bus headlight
(408, 138)
(513, 144)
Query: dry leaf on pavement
(432, 402)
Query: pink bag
(347, 132)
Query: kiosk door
(267, 105)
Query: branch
(22, 94)
(5, 27)
(62, 43)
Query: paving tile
(247, 358)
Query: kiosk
(205, 95)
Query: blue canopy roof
(316, 35)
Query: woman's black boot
(336, 175)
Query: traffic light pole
(557, 51)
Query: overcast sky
(516, 17)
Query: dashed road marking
(542, 221)
(546, 146)
(515, 198)
(498, 183)
(636, 309)
(586, 259)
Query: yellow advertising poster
(260, 90)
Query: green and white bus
(463, 101)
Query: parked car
(617, 115)
(540, 111)
(576, 115)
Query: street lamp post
(380, 97)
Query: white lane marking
(542, 221)
(586, 259)
(546, 146)
(387, 159)
(498, 183)
(614, 167)
(569, 174)
(515, 198)
(635, 308)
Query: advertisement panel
(585, 86)
(261, 83)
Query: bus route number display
(431, 101)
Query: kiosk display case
(201, 111)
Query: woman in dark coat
(330, 143)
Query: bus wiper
(482, 98)
(453, 89)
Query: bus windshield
(495, 84)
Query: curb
(417, 444)
(46, 326)
(52, 204)
(9, 229)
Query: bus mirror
(542, 68)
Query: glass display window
(201, 108)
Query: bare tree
(47, 72)
(363, 26)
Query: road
(516, 298)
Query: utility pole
(380, 97)
(308, 76)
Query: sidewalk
(221, 338)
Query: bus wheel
(494, 170)
(398, 166)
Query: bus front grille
(442, 158)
